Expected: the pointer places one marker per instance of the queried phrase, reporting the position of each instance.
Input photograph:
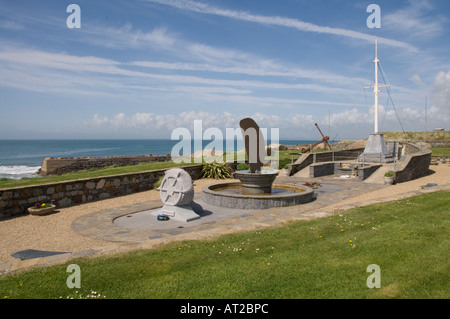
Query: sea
(23, 158)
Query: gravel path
(54, 232)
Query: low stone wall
(310, 158)
(440, 160)
(322, 169)
(336, 168)
(414, 166)
(15, 201)
(365, 172)
(58, 166)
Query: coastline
(23, 158)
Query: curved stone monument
(177, 193)
(255, 181)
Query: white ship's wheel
(176, 188)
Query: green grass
(440, 151)
(322, 258)
(91, 173)
(417, 136)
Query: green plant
(38, 205)
(216, 170)
(158, 182)
(242, 167)
(284, 163)
(388, 174)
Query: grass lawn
(440, 151)
(323, 258)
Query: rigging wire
(389, 94)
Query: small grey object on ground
(32, 253)
(428, 185)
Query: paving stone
(32, 253)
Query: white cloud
(41, 71)
(149, 124)
(440, 108)
(416, 79)
(280, 21)
(10, 25)
(414, 22)
(127, 37)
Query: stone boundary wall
(310, 158)
(434, 143)
(414, 166)
(440, 159)
(58, 166)
(333, 168)
(15, 201)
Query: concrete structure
(58, 166)
(256, 183)
(177, 192)
(376, 150)
(288, 195)
(255, 189)
(411, 161)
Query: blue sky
(140, 69)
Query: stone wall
(440, 160)
(15, 201)
(414, 166)
(337, 168)
(322, 169)
(309, 158)
(58, 166)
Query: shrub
(158, 182)
(284, 163)
(216, 170)
(242, 167)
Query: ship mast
(375, 150)
(375, 87)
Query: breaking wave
(18, 172)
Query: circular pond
(231, 195)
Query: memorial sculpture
(256, 188)
(177, 193)
(255, 180)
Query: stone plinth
(256, 183)
(376, 150)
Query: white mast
(376, 150)
(375, 87)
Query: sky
(141, 69)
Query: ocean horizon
(23, 158)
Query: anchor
(323, 140)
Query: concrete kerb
(211, 232)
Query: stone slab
(32, 253)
